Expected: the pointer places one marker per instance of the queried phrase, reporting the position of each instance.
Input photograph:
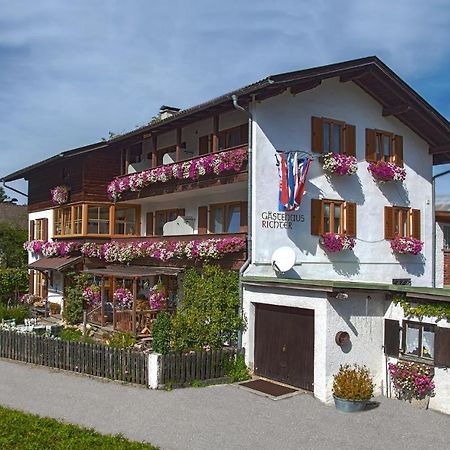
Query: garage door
(284, 344)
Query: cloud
(72, 71)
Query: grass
(29, 432)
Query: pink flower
(386, 171)
(405, 245)
(337, 242)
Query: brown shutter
(203, 145)
(415, 223)
(389, 222)
(350, 218)
(244, 133)
(31, 236)
(391, 338)
(45, 230)
(398, 150)
(442, 347)
(244, 217)
(317, 134)
(31, 282)
(181, 212)
(371, 147)
(316, 216)
(350, 140)
(149, 224)
(202, 220)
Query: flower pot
(345, 405)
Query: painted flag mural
(292, 170)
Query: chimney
(167, 111)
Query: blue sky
(70, 72)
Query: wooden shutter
(415, 223)
(202, 220)
(391, 338)
(244, 133)
(350, 219)
(316, 134)
(203, 145)
(149, 224)
(398, 150)
(45, 230)
(244, 217)
(316, 216)
(31, 282)
(371, 147)
(389, 222)
(31, 235)
(350, 140)
(442, 347)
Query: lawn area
(29, 432)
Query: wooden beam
(355, 75)
(304, 86)
(397, 109)
(178, 146)
(134, 304)
(270, 92)
(154, 147)
(440, 148)
(215, 134)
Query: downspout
(13, 189)
(433, 239)
(249, 211)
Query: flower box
(406, 245)
(339, 164)
(333, 243)
(385, 171)
(60, 195)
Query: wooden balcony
(182, 185)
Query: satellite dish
(283, 259)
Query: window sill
(416, 359)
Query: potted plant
(333, 242)
(406, 245)
(60, 194)
(412, 382)
(339, 164)
(385, 171)
(352, 388)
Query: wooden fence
(184, 368)
(90, 359)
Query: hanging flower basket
(385, 171)
(406, 245)
(60, 195)
(333, 243)
(412, 381)
(92, 295)
(158, 297)
(124, 297)
(339, 164)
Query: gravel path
(217, 417)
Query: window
(40, 229)
(333, 216)
(162, 217)
(125, 220)
(446, 232)
(233, 137)
(384, 146)
(225, 218)
(402, 222)
(131, 155)
(418, 339)
(68, 220)
(98, 219)
(330, 135)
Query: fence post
(154, 372)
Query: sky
(71, 72)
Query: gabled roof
(370, 74)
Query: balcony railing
(224, 164)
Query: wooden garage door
(284, 345)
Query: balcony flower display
(386, 171)
(214, 163)
(60, 195)
(92, 294)
(406, 245)
(411, 380)
(340, 164)
(34, 246)
(336, 242)
(124, 297)
(49, 248)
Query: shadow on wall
(413, 264)
(348, 187)
(345, 263)
(395, 192)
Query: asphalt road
(217, 417)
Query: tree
(12, 253)
(4, 198)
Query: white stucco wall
(439, 255)
(441, 401)
(284, 123)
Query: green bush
(353, 383)
(73, 311)
(161, 330)
(12, 253)
(12, 283)
(73, 334)
(121, 340)
(19, 313)
(238, 371)
(209, 313)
